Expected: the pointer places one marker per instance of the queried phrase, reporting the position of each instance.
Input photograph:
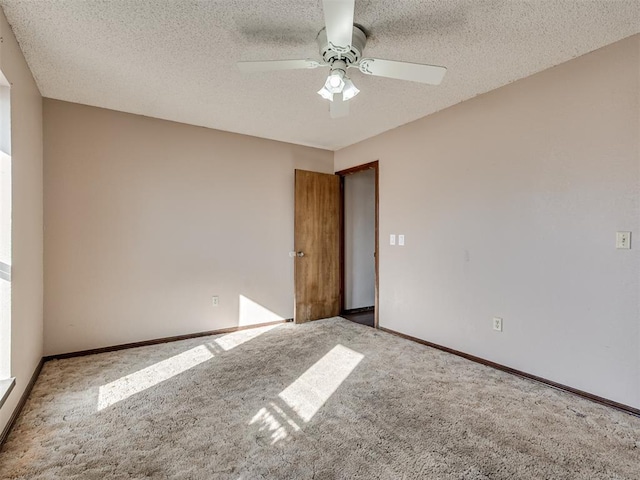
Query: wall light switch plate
(401, 240)
(215, 300)
(623, 240)
(497, 324)
(392, 239)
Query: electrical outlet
(623, 240)
(215, 300)
(497, 324)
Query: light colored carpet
(330, 399)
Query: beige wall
(146, 219)
(510, 203)
(26, 151)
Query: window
(5, 230)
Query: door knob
(299, 254)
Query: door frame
(342, 174)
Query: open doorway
(359, 244)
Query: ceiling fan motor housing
(358, 41)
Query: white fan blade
(338, 18)
(338, 108)
(414, 72)
(273, 65)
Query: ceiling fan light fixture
(335, 81)
(350, 90)
(341, 46)
(325, 93)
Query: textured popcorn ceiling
(176, 59)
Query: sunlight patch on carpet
(313, 388)
(307, 394)
(125, 387)
(232, 340)
(274, 420)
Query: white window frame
(6, 381)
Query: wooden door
(317, 245)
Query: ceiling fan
(341, 45)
